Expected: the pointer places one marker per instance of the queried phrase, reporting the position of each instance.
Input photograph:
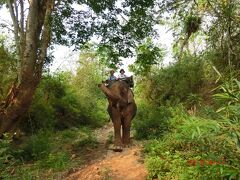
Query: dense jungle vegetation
(188, 110)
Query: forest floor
(102, 163)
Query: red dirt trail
(126, 165)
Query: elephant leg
(128, 115)
(116, 119)
(117, 131)
(126, 130)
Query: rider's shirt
(112, 78)
(121, 76)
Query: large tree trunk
(32, 50)
(16, 108)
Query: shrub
(41, 116)
(203, 141)
(38, 146)
(58, 104)
(7, 159)
(8, 66)
(151, 122)
(55, 160)
(228, 99)
(84, 138)
(174, 84)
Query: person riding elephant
(122, 109)
(112, 77)
(127, 79)
(122, 75)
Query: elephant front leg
(126, 131)
(115, 116)
(117, 135)
(128, 115)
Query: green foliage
(118, 36)
(37, 120)
(38, 146)
(55, 160)
(228, 99)
(192, 24)
(84, 138)
(46, 154)
(198, 140)
(194, 99)
(147, 55)
(5, 148)
(151, 122)
(168, 167)
(56, 101)
(7, 67)
(223, 47)
(108, 55)
(7, 160)
(92, 100)
(208, 112)
(2, 2)
(175, 83)
(62, 101)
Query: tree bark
(19, 104)
(32, 52)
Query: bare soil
(104, 164)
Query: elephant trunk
(113, 96)
(108, 93)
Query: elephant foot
(126, 145)
(118, 148)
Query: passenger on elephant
(112, 77)
(122, 75)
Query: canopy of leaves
(118, 25)
(147, 55)
(2, 2)
(219, 21)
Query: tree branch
(14, 17)
(6, 26)
(45, 38)
(22, 15)
(16, 11)
(15, 22)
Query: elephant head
(122, 109)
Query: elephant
(122, 109)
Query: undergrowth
(195, 148)
(45, 155)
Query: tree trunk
(17, 107)
(34, 41)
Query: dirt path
(126, 165)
